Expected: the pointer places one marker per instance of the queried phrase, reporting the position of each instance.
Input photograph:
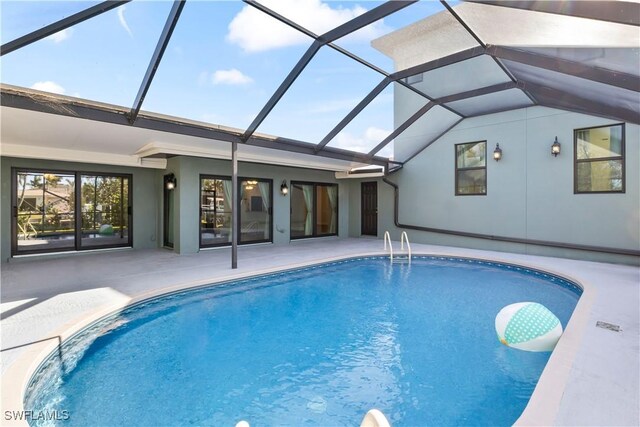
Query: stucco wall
(148, 197)
(146, 185)
(189, 169)
(529, 192)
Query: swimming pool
(316, 346)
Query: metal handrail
(402, 239)
(387, 236)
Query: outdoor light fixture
(283, 188)
(170, 181)
(555, 148)
(497, 153)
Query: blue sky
(224, 61)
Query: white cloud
(230, 77)
(371, 137)
(123, 21)
(254, 31)
(60, 36)
(48, 86)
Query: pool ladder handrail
(387, 237)
(402, 240)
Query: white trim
(66, 155)
(347, 175)
(257, 155)
(59, 254)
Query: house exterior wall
(148, 195)
(146, 186)
(529, 192)
(189, 169)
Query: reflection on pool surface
(317, 346)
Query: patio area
(591, 378)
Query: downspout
(396, 221)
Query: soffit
(66, 135)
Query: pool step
(401, 259)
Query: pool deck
(592, 378)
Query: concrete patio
(592, 377)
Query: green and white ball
(528, 326)
(106, 230)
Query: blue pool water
(319, 346)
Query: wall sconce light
(170, 181)
(497, 153)
(555, 148)
(284, 190)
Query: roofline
(33, 100)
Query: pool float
(528, 326)
(106, 230)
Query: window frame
(621, 157)
(237, 206)
(314, 230)
(77, 205)
(457, 169)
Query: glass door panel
(215, 211)
(301, 210)
(44, 212)
(327, 210)
(105, 211)
(255, 210)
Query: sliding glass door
(46, 203)
(314, 210)
(254, 209)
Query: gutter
(396, 221)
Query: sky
(224, 61)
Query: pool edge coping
(541, 409)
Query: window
(314, 209)
(599, 159)
(45, 203)
(254, 214)
(471, 168)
